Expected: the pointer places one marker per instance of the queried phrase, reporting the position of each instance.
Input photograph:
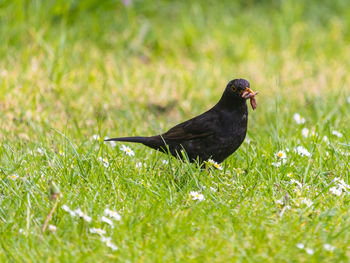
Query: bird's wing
(198, 127)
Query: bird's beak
(249, 90)
(247, 93)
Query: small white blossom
(281, 154)
(329, 247)
(52, 228)
(196, 196)
(296, 182)
(165, 161)
(14, 176)
(336, 191)
(307, 202)
(302, 151)
(96, 137)
(212, 189)
(140, 165)
(104, 161)
(61, 153)
(97, 231)
(298, 118)
(112, 214)
(338, 134)
(325, 139)
(300, 245)
(82, 215)
(107, 220)
(214, 164)
(111, 245)
(276, 164)
(127, 150)
(310, 251)
(279, 163)
(40, 151)
(111, 143)
(108, 242)
(305, 132)
(68, 210)
(279, 202)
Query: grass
(70, 70)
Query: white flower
(279, 202)
(14, 176)
(290, 175)
(111, 143)
(300, 245)
(305, 132)
(340, 186)
(212, 189)
(348, 99)
(310, 251)
(111, 245)
(215, 164)
(68, 210)
(108, 242)
(302, 151)
(52, 228)
(196, 196)
(140, 164)
(279, 163)
(336, 191)
(61, 153)
(296, 182)
(298, 118)
(107, 220)
(112, 214)
(329, 247)
(82, 215)
(96, 137)
(165, 161)
(338, 134)
(40, 151)
(104, 161)
(97, 231)
(127, 150)
(307, 202)
(281, 154)
(325, 139)
(276, 164)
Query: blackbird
(215, 134)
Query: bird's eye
(233, 88)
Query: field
(75, 72)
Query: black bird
(215, 134)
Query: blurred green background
(70, 64)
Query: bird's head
(240, 88)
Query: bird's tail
(129, 139)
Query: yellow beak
(249, 90)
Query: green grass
(73, 69)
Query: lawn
(75, 72)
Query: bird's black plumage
(215, 134)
